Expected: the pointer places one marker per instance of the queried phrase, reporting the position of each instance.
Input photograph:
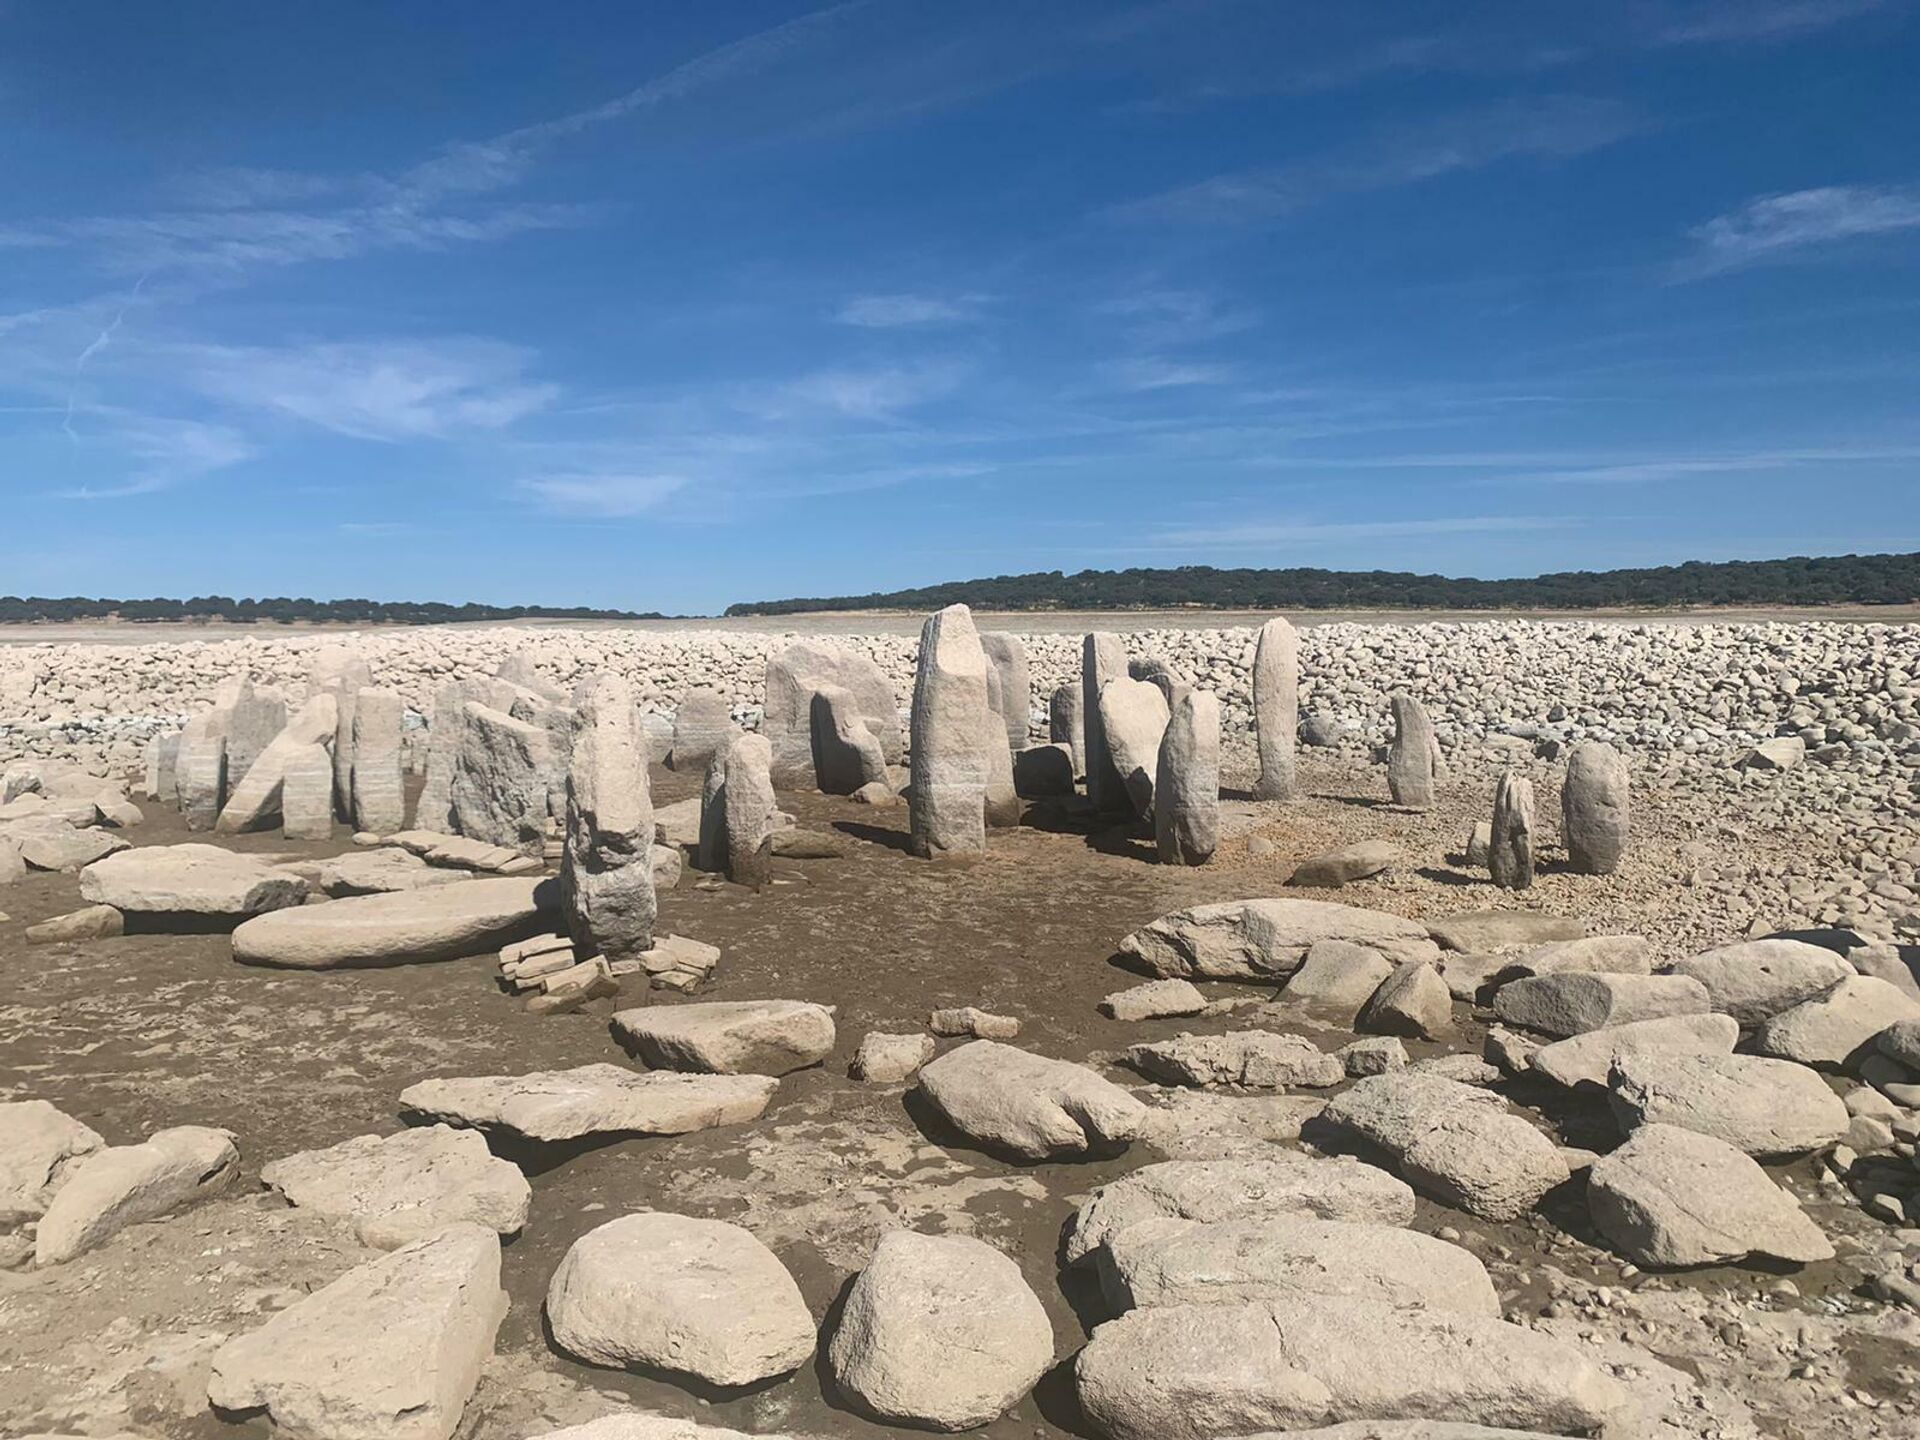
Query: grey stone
(1595, 810)
(1065, 725)
(1488, 931)
(1603, 954)
(40, 1148)
(1007, 655)
(62, 848)
(1027, 1104)
(1257, 1059)
(1102, 658)
(1414, 1000)
(1757, 979)
(1263, 939)
(400, 1188)
(786, 722)
(884, 1059)
(254, 801)
(1043, 771)
(306, 793)
(1276, 708)
(1510, 853)
(1375, 1055)
(163, 762)
(1336, 981)
(1155, 1000)
(498, 792)
(1836, 1030)
(200, 771)
(951, 771)
(382, 871)
(91, 922)
(1574, 1001)
(1587, 1059)
(846, 755)
(123, 1185)
(1413, 755)
(189, 880)
(702, 727)
(256, 718)
(1186, 805)
(1758, 1106)
(1479, 844)
(1900, 1042)
(445, 922)
(606, 869)
(1333, 868)
(729, 1037)
(559, 1105)
(378, 776)
(1133, 720)
(1187, 1124)
(433, 810)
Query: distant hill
(1801, 580)
(14, 609)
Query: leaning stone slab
(400, 1188)
(1758, 1106)
(1836, 1030)
(1280, 1184)
(846, 754)
(1485, 931)
(254, 803)
(126, 1184)
(40, 1148)
(1336, 981)
(1675, 1197)
(189, 880)
(1755, 980)
(672, 1292)
(1256, 1059)
(556, 1105)
(498, 790)
(729, 1037)
(1031, 1106)
(1573, 1002)
(1588, 1058)
(390, 1351)
(442, 923)
(1133, 718)
(1261, 939)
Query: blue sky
(667, 305)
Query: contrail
(98, 344)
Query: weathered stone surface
(1587, 1059)
(1837, 1029)
(1757, 979)
(61, 847)
(884, 1059)
(255, 720)
(1783, 752)
(1276, 708)
(947, 805)
(1261, 939)
(1186, 806)
(1207, 1125)
(1336, 981)
(255, 801)
(1154, 1000)
(400, 1188)
(1279, 1184)
(90, 922)
(1900, 1042)
(1185, 1262)
(1414, 1000)
(189, 880)
(378, 777)
(1479, 844)
(306, 793)
(557, 1105)
(1007, 654)
(441, 923)
(1378, 1430)
(1603, 954)
(390, 1351)
(1257, 1059)
(1103, 657)
(1065, 723)
(1133, 719)
(1029, 1105)
(13, 868)
(125, 1184)
(738, 813)
(792, 677)
(1675, 1197)
(940, 1331)
(200, 770)
(162, 767)
(1375, 1055)
(40, 1148)
(637, 1425)
(1333, 868)
(1759, 1106)
(498, 789)
(1413, 756)
(1043, 771)
(846, 754)
(702, 727)
(1489, 931)
(1510, 851)
(382, 871)
(729, 1037)
(606, 870)
(672, 1292)
(972, 1020)
(1595, 811)
(1573, 1001)
(433, 810)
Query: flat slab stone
(1262, 939)
(1757, 979)
(399, 1188)
(1758, 1106)
(1155, 1000)
(1588, 1058)
(1488, 931)
(384, 871)
(40, 1148)
(126, 1184)
(556, 1105)
(1334, 868)
(729, 1037)
(1605, 954)
(389, 1351)
(1336, 981)
(66, 848)
(1836, 1030)
(1257, 1059)
(189, 880)
(1029, 1105)
(442, 923)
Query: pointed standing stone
(702, 727)
(1510, 857)
(344, 679)
(1276, 707)
(1133, 719)
(1412, 756)
(1064, 725)
(1102, 658)
(749, 810)
(951, 767)
(606, 871)
(377, 780)
(1186, 792)
(1594, 808)
(1007, 654)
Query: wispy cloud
(1735, 21)
(1156, 372)
(873, 393)
(1280, 533)
(611, 497)
(150, 453)
(1158, 315)
(896, 312)
(1785, 227)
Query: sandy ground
(143, 1031)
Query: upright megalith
(1133, 719)
(343, 674)
(254, 720)
(200, 769)
(702, 727)
(1007, 654)
(1413, 758)
(787, 719)
(1276, 708)
(1102, 658)
(1162, 676)
(254, 802)
(306, 793)
(1065, 725)
(522, 672)
(377, 779)
(1594, 808)
(162, 766)
(498, 790)
(951, 724)
(846, 753)
(1510, 855)
(434, 809)
(749, 813)
(606, 869)
(1186, 791)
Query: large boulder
(1677, 1197)
(1588, 1058)
(189, 880)
(1331, 869)
(923, 1302)
(1256, 1059)
(1572, 1002)
(1481, 932)
(557, 1105)
(433, 810)
(1837, 1029)
(254, 803)
(729, 1037)
(846, 753)
(1602, 954)
(792, 677)
(702, 727)
(390, 1351)
(125, 1184)
(1414, 1000)
(40, 1148)
(1336, 981)
(1759, 1106)
(1264, 939)
(60, 847)
(1756, 979)
(442, 923)
(1033, 1107)
(400, 1188)
(672, 1292)
(382, 871)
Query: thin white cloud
(1156, 372)
(1157, 315)
(1736, 21)
(1304, 532)
(611, 497)
(1785, 227)
(149, 453)
(875, 393)
(893, 312)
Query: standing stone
(1510, 857)
(1594, 808)
(162, 756)
(377, 781)
(1133, 720)
(1159, 674)
(306, 794)
(499, 788)
(434, 809)
(846, 755)
(1065, 726)
(702, 727)
(1002, 796)
(606, 871)
(951, 766)
(1007, 654)
(1102, 658)
(1186, 792)
(558, 721)
(200, 774)
(787, 719)
(344, 679)
(520, 671)
(1414, 755)
(258, 716)
(738, 811)
(1276, 707)
(255, 801)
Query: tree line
(1799, 580)
(17, 609)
